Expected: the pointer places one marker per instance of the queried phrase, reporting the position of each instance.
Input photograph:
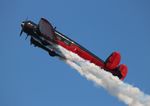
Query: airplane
(45, 36)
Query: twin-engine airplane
(44, 35)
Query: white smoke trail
(130, 95)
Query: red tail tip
(124, 70)
(113, 60)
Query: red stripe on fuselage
(79, 50)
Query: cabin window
(67, 42)
(59, 38)
(64, 40)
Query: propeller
(22, 25)
(26, 37)
(21, 32)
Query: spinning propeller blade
(22, 25)
(21, 32)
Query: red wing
(46, 28)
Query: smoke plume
(130, 95)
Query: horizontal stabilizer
(113, 60)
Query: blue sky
(30, 77)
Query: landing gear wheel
(52, 53)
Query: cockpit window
(67, 42)
(64, 40)
(58, 37)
